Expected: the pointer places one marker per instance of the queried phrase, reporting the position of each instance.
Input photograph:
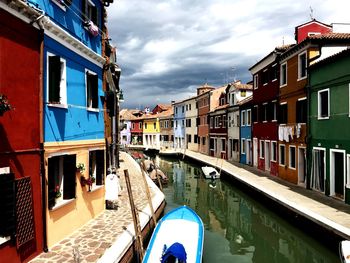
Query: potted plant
(89, 181)
(4, 104)
(81, 167)
(58, 193)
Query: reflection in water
(237, 228)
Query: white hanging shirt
(112, 187)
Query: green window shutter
(69, 169)
(7, 205)
(53, 166)
(100, 161)
(54, 78)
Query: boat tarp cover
(176, 250)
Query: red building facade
(21, 220)
(265, 106)
(310, 28)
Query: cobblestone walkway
(89, 243)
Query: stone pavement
(326, 211)
(90, 242)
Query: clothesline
(287, 132)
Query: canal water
(237, 227)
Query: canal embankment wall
(322, 217)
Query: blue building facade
(73, 113)
(179, 125)
(246, 152)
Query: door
(249, 152)
(318, 169)
(255, 149)
(267, 155)
(337, 176)
(302, 166)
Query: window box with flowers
(4, 104)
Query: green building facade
(329, 126)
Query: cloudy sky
(166, 49)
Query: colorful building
(179, 125)
(21, 148)
(166, 123)
(73, 118)
(329, 127)
(236, 92)
(246, 152)
(191, 113)
(203, 104)
(293, 97)
(136, 131)
(218, 123)
(265, 107)
(126, 118)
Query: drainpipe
(42, 157)
(308, 136)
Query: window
(189, 106)
(175, 110)
(262, 149)
(91, 90)
(323, 104)
(212, 143)
(161, 124)
(61, 179)
(133, 126)
(273, 151)
(183, 109)
(57, 86)
(242, 146)
(166, 124)
(188, 123)
(256, 81)
(292, 157)
(140, 125)
(145, 125)
(255, 113)
(302, 65)
(90, 12)
(243, 118)
(273, 72)
(172, 124)
(249, 116)
(229, 121)
(154, 125)
(217, 122)
(224, 121)
(301, 110)
(283, 113)
(243, 93)
(282, 154)
(223, 145)
(186, 107)
(274, 111)
(263, 112)
(283, 75)
(265, 77)
(183, 123)
(222, 101)
(195, 139)
(96, 167)
(189, 138)
(203, 140)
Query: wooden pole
(159, 181)
(137, 227)
(148, 193)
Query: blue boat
(178, 236)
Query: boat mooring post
(148, 193)
(135, 218)
(159, 181)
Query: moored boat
(178, 236)
(344, 251)
(210, 172)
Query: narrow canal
(237, 227)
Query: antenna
(311, 13)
